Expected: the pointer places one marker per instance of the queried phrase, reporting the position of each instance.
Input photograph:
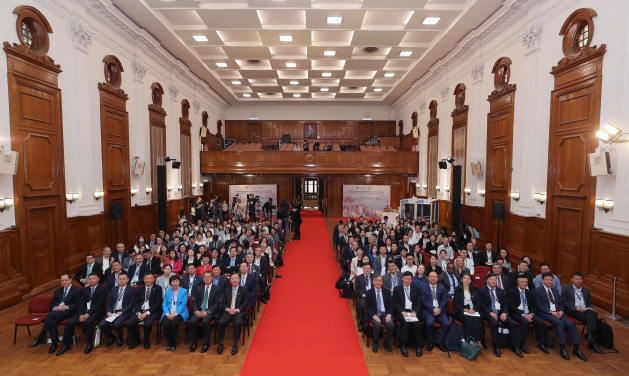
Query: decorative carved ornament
(113, 76)
(81, 37)
(197, 106)
(185, 113)
(310, 158)
(433, 113)
(577, 32)
(400, 125)
(422, 106)
(32, 32)
(157, 95)
(477, 71)
(459, 99)
(139, 71)
(204, 117)
(502, 74)
(532, 37)
(174, 92)
(444, 91)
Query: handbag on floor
(455, 335)
(605, 335)
(345, 286)
(468, 350)
(504, 341)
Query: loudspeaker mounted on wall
(138, 167)
(8, 164)
(115, 210)
(599, 165)
(499, 209)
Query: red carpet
(306, 328)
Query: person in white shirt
(446, 246)
(409, 267)
(469, 262)
(354, 267)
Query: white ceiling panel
(233, 19)
(386, 19)
(284, 19)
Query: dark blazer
(213, 300)
(504, 279)
(227, 269)
(568, 300)
(118, 257)
(431, 247)
(131, 272)
(184, 264)
(513, 279)
(371, 304)
(426, 296)
(185, 283)
(110, 281)
(514, 298)
(387, 284)
(444, 280)
(399, 300)
(242, 299)
(342, 242)
(223, 282)
(436, 269)
(349, 254)
(459, 301)
(155, 300)
(359, 284)
(485, 306)
(127, 300)
(73, 298)
(97, 306)
(363, 241)
(264, 266)
(482, 257)
(295, 215)
(251, 285)
(542, 301)
(154, 266)
(82, 272)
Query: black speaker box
(499, 209)
(115, 210)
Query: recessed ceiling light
(406, 53)
(246, 95)
(291, 65)
(377, 89)
(335, 20)
(236, 82)
(389, 74)
(326, 74)
(324, 89)
(253, 118)
(297, 95)
(294, 82)
(286, 38)
(221, 65)
(431, 20)
(200, 38)
(329, 53)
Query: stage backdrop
(366, 200)
(265, 191)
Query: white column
(445, 139)
(476, 128)
(139, 132)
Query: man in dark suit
(380, 260)
(407, 302)
(449, 280)
(577, 303)
(147, 308)
(128, 261)
(523, 311)
(393, 278)
(379, 305)
(152, 263)
(523, 268)
(120, 253)
(234, 307)
(231, 264)
(120, 304)
(434, 307)
(502, 280)
(249, 282)
(136, 271)
(494, 310)
(205, 309)
(362, 239)
(112, 279)
(90, 312)
(90, 266)
(550, 308)
(262, 262)
(350, 253)
(295, 218)
(487, 257)
(362, 284)
(219, 280)
(191, 280)
(343, 240)
(64, 304)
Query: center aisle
(306, 328)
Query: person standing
(296, 219)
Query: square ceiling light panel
(319, 19)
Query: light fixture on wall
(98, 195)
(468, 190)
(134, 191)
(169, 187)
(194, 186)
(438, 188)
(515, 196)
(71, 197)
(481, 192)
(610, 134)
(179, 187)
(540, 197)
(425, 186)
(447, 188)
(200, 185)
(605, 205)
(149, 190)
(5, 203)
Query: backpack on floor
(605, 335)
(453, 339)
(345, 286)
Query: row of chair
(244, 147)
(377, 148)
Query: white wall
(310, 112)
(501, 35)
(82, 64)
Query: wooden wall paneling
(115, 149)
(399, 192)
(86, 235)
(39, 186)
(335, 195)
(285, 188)
(143, 221)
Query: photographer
(239, 210)
(251, 207)
(283, 213)
(199, 209)
(268, 209)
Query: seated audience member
(112, 278)
(91, 309)
(434, 309)
(410, 264)
(432, 245)
(550, 308)
(459, 267)
(523, 311)
(418, 254)
(466, 253)
(152, 263)
(206, 266)
(379, 306)
(466, 304)
(362, 285)
(420, 276)
(191, 280)
(215, 258)
(104, 261)
(163, 281)
(530, 272)
(449, 280)
(234, 308)
(523, 268)
(432, 266)
(120, 253)
(539, 281)
(349, 253)
(380, 262)
(191, 259)
(502, 280)
(90, 266)
(119, 306)
(249, 282)
(443, 260)
(503, 255)
(205, 309)
(487, 257)
(400, 260)
(219, 280)
(129, 260)
(356, 264)
(174, 261)
(136, 271)
(393, 278)
(407, 302)
(147, 309)
(262, 263)
(494, 310)
(230, 265)
(64, 304)
(174, 311)
(577, 303)
(447, 247)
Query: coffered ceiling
(309, 50)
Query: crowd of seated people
(206, 274)
(420, 270)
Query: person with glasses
(205, 309)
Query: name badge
(552, 307)
(498, 306)
(173, 309)
(434, 303)
(89, 304)
(408, 305)
(145, 305)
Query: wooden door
(41, 231)
(323, 199)
(253, 134)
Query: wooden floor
(535, 363)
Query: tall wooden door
(254, 133)
(323, 198)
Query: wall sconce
(481, 192)
(194, 186)
(425, 186)
(515, 195)
(169, 187)
(149, 190)
(179, 187)
(98, 195)
(200, 185)
(438, 188)
(447, 188)
(540, 197)
(134, 191)
(5, 203)
(468, 190)
(71, 197)
(605, 205)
